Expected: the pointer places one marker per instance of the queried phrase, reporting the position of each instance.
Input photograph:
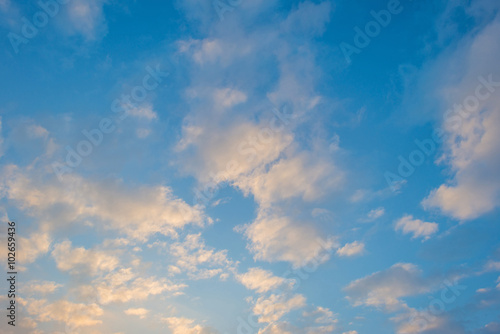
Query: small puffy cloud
(260, 280)
(81, 260)
(319, 320)
(40, 287)
(492, 266)
(228, 150)
(142, 133)
(374, 214)
(271, 309)
(145, 112)
(184, 326)
(386, 288)
(279, 238)
(140, 312)
(193, 257)
(415, 322)
(124, 285)
(304, 175)
(37, 131)
(420, 229)
(351, 249)
(85, 18)
(324, 321)
(309, 18)
(31, 248)
(77, 315)
(227, 97)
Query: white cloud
(1, 139)
(142, 133)
(85, 18)
(140, 312)
(493, 266)
(420, 229)
(124, 285)
(138, 212)
(319, 320)
(279, 238)
(309, 18)
(473, 139)
(354, 248)
(304, 175)
(78, 315)
(145, 112)
(184, 326)
(386, 288)
(272, 308)
(193, 257)
(81, 260)
(230, 150)
(36, 245)
(228, 98)
(260, 280)
(374, 214)
(40, 287)
(416, 322)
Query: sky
(250, 166)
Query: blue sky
(236, 166)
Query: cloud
(319, 320)
(81, 260)
(1, 140)
(78, 315)
(124, 285)
(40, 287)
(140, 312)
(354, 248)
(416, 322)
(492, 327)
(384, 289)
(420, 229)
(472, 139)
(260, 280)
(138, 212)
(271, 309)
(309, 18)
(229, 151)
(193, 257)
(145, 112)
(85, 18)
(303, 175)
(228, 98)
(185, 326)
(279, 238)
(492, 266)
(36, 245)
(374, 214)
